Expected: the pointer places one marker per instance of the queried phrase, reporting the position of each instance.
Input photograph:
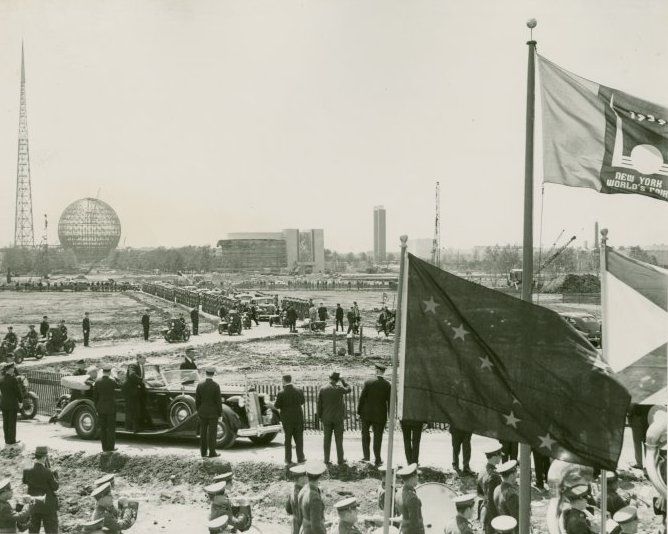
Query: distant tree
(638, 253)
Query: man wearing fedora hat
(373, 407)
(42, 482)
(331, 411)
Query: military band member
(311, 506)
(104, 396)
(488, 480)
(347, 511)
(504, 524)
(506, 494)
(218, 525)
(115, 519)
(411, 507)
(9, 516)
(95, 526)
(627, 519)
(42, 482)
(461, 524)
(221, 505)
(575, 518)
(109, 478)
(298, 473)
(382, 470)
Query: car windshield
(177, 377)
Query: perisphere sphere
(89, 227)
(532, 23)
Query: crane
(436, 243)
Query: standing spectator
(358, 316)
(412, 432)
(289, 403)
(145, 323)
(322, 312)
(44, 326)
(194, 319)
(339, 317)
(637, 417)
(253, 314)
(11, 400)
(373, 407)
(209, 404)
(42, 482)
(292, 319)
(331, 411)
(104, 396)
(313, 316)
(85, 324)
(351, 321)
(541, 467)
(188, 360)
(461, 441)
(383, 319)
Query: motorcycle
(234, 326)
(55, 342)
(247, 321)
(6, 349)
(28, 349)
(176, 332)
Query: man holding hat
(209, 404)
(9, 517)
(42, 482)
(289, 403)
(11, 400)
(411, 506)
(347, 511)
(575, 519)
(506, 494)
(298, 473)
(115, 520)
(488, 480)
(311, 507)
(461, 524)
(189, 360)
(104, 396)
(331, 411)
(373, 407)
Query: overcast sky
(197, 118)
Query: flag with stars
(497, 366)
(635, 320)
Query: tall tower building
(379, 234)
(23, 228)
(596, 235)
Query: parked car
(585, 323)
(171, 405)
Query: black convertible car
(171, 405)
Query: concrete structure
(290, 250)
(89, 227)
(379, 236)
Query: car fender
(65, 416)
(231, 417)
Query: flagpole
(604, 356)
(527, 264)
(389, 483)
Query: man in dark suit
(136, 414)
(10, 402)
(44, 326)
(289, 403)
(188, 360)
(42, 482)
(373, 407)
(209, 404)
(104, 395)
(331, 411)
(86, 328)
(339, 317)
(194, 318)
(145, 323)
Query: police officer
(85, 325)
(209, 404)
(627, 519)
(373, 407)
(9, 517)
(10, 337)
(331, 411)
(194, 319)
(42, 482)
(31, 337)
(145, 324)
(188, 360)
(506, 496)
(104, 396)
(298, 474)
(504, 524)
(311, 507)
(339, 317)
(44, 326)
(488, 480)
(289, 403)
(575, 518)
(62, 329)
(461, 524)
(411, 506)
(347, 511)
(115, 519)
(11, 400)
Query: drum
(379, 530)
(438, 508)
(241, 508)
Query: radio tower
(436, 243)
(23, 230)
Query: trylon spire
(23, 228)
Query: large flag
(601, 138)
(635, 319)
(495, 365)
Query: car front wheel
(85, 422)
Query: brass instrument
(655, 459)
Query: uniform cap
(625, 515)
(492, 449)
(101, 490)
(106, 479)
(407, 471)
(504, 523)
(611, 476)
(464, 501)
(5, 484)
(41, 450)
(507, 467)
(315, 469)
(216, 524)
(223, 477)
(581, 491)
(215, 488)
(106, 367)
(383, 468)
(31, 326)
(210, 371)
(91, 526)
(380, 366)
(346, 504)
(80, 362)
(298, 470)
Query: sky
(195, 118)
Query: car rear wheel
(180, 410)
(225, 435)
(29, 408)
(85, 422)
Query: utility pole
(436, 243)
